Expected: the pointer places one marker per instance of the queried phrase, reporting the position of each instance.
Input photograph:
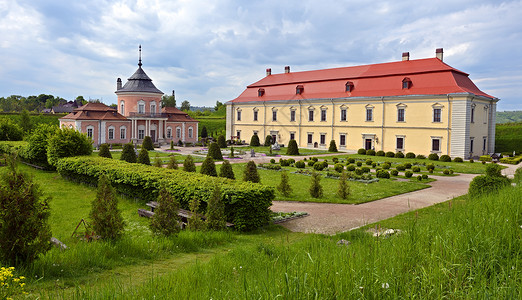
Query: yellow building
(422, 106)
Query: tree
(344, 190)
(215, 152)
(173, 163)
(185, 106)
(166, 220)
(147, 143)
(24, 228)
(104, 151)
(143, 157)
(81, 100)
(268, 140)
(10, 131)
(204, 133)
(157, 162)
(218, 106)
(216, 211)
(67, 142)
(188, 165)
(226, 170)
(25, 121)
(36, 151)
(208, 167)
(333, 146)
(128, 154)
(194, 222)
(292, 148)
(106, 218)
(254, 140)
(316, 190)
(221, 141)
(284, 187)
(168, 101)
(251, 172)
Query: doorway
(367, 144)
(153, 135)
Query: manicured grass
(214, 125)
(266, 150)
(164, 156)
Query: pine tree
(251, 172)
(215, 152)
(221, 141)
(147, 143)
(292, 148)
(316, 190)
(216, 211)
(194, 222)
(143, 157)
(171, 145)
(344, 189)
(254, 141)
(333, 146)
(166, 220)
(231, 152)
(204, 133)
(157, 162)
(284, 187)
(208, 167)
(104, 151)
(128, 154)
(226, 170)
(268, 140)
(107, 221)
(173, 163)
(24, 228)
(188, 165)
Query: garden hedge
(247, 204)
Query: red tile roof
(428, 76)
(176, 115)
(94, 111)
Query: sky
(209, 51)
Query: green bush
(221, 141)
(333, 146)
(368, 162)
(67, 142)
(351, 160)
(408, 174)
(272, 161)
(226, 170)
(511, 160)
(311, 163)
(518, 176)
(104, 151)
(292, 148)
(483, 158)
(208, 167)
(415, 169)
(382, 174)
(284, 162)
(361, 151)
(246, 204)
(36, 150)
(407, 165)
(105, 216)
(446, 172)
(166, 220)
(254, 141)
(350, 168)
(420, 156)
(400, 167)
(486, 184)
(250, 173)
(390, 154)
(430, 167)
(445, 158)
(300, 164)
(365, 169)
(143, 157)
(284, 186)
(215, 152)
(343, 191)
(419, 177)
(173, 163)
(316, 190)
(268, 140)
(433, 156)
(216, 219)
(458, 160)
(10, 131)
(386, 166)
(380, 153)
(394, 172)
(358, 171)
(424, 176)
(370, 152)
(335, 160)
(319, 166)
(128, 154)
(147, 143)
(338, 167)
(399, 155)
(471, 161)
(359, 163)
(204, 133)
(410, 155)
(188, 165)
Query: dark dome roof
(139, 82)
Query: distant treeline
(509, 116)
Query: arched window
(349, 86)
(406, 83)
(122, 107)
(260, 92)
(141, 107)
(299, 89)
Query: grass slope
(508, 138)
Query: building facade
(139, 114)
(422, 106)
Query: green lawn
(164, 156)
(266, 150)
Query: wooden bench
(183, 213)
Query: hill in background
(509, 116)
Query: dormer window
(260, 92)
(349, 86)
(299, 90)
(406, 83)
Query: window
(141, 134)
(255, 115)
(473, 113)
(111, 133)
(169, 132)
(260, 92)
(400, 115)
(299, 89)
(153, 108)
(435, 144)
(369, 114)
(400, 143)
(141, 107)
(123, 132)
(311, 115)
(122, 107)
(349, 86)
(310, 138)
(178, 133)
(190, 132)
(342, 140)
(343, 114)
(292, 116)
(238, 134)
(323, 115)
(406, 83)
(274, 115)
(292, 135)
(90, 131)
(471, 145)
(437, 112)
(484, 144)
(239, 115)
(323, 139)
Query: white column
(183, 132)
(160, 129)
(147, 127)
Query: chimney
(405, 56)
(173, 93)
(439, 53)
(268, 72)
(118, 84)
(287, 69)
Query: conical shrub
(143, 157)
(292, 148)
(128, 153)
(226, 170)
(333, 146)
(208, 167)
(147, 143)
(104, 151)
(254, 141)
(188, 165)
(251, 172)
(221, 141)
(215, 152)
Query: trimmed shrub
(316, 190)
(446, 172)
(36, 150)
(368, 162)
(335, 160)
(128, 154)
(410, 155)
(333, 146)
(171, 145)
(319, 166)
(351, 160)
(311, 163)
(216, 219)
(493, 170)
(10, 131)
(433, 156)
(208, 167)
(272, 161)
(166, 220)
(338, 167)
(188, 164)
(370, 152)
(350, 168)
(254, 141)
(67, 142)
(374, 164)
(419, 177)
(147, 143)
(143, 157)
(408, 174)
(291, 161)
(173, 163)
(400, 167)
(390, 154)
(415, 169)
(445, 158)
(251, 172)
(268, 140)
(365, 169)
(361, 151)
(292, 148)
(284, 187)
(284, 162)
(157, 162)
(359, 163)
(386, 166)
(483, 158)
(226, 170)
(471, 161)
(105, 216)
(399, 155)
(380, 153)
(382, 174)
(104, 151)
(486, 184)
(300, 164)
(458, 160)
(424, 176)
(358, 171)
(343, 191)
(204, 133)
(222, 143)
(407, 165)
(430, 167)
(215, 152)
(394, 172)
(420, 156)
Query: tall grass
(469, 251)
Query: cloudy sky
(209, 51)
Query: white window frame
(110, 130)
(323, 115)
(90, 131)
(397, 137)
(190, 132)
(153, 107)
(141, 107)
(169, 132)
(178, 132)
(122, 107)
(369, 112)
(344, 114)
(439, 138)
(310, 138)
(341, 135)
(123, 132)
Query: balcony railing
(148, 115)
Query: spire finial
(139, 63)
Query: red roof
(94, 111)
(176, 115)
(428, 76)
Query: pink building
(139, 114)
